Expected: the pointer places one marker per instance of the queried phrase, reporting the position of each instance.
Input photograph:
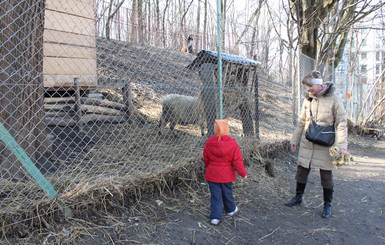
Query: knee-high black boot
(328, 197)
(298, 197)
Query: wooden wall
(69, 44)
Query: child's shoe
(234, 212)
(214, 221)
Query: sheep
(183, 110)
(188, 48)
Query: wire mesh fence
(348, 87)
(82, 114)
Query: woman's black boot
(297, 200)
(328, 197)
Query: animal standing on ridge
(188, 48)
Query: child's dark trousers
(221, 195)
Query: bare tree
(324, 25)
(223, 21)
(111, 15)
(141, 26)
(198, 25)
(284, 29)
(133, 21)
(167, 4)
(185, 11)
(157, 22)
(252, 23)
(205, 25)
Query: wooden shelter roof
(207, 56)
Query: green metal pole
(22, 156)
(219, 49)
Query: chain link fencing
(85, 117)
(351, 88)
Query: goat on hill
(188, 48)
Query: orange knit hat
(221, 128)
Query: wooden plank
(60, 114)
(70, 122)
(69, 23)
(68, 66)
(74, 7)
(66, 51)
(92, 109)
(87, 101)
(100, 110)
(66, 81)
(54, 36)
(104, 103)
(59, 100)
(59, 107)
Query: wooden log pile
(375, 132)
(68, 111)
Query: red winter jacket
(222, 158)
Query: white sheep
(183, 110)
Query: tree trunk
(309, 17)
(197, 37)
(108, 21)
(21, 89)
(140, 22)
(185, 12)
(148, 27)
(157, 16)
(223, 21)
(164, 23)
(204, 41)
(111, 16)
(133, 21)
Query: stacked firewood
(69, 111)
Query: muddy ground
(182, 216)
(358, 211)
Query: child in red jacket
(222, 157)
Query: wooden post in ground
(256, 101)
(209, 96)
(127, 98)
(78, 104)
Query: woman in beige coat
(327, 109)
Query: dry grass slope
(166, 166)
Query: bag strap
(311, 114)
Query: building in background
(360, 69)
(371, 60)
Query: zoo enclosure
(85, 110)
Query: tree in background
(324, 25)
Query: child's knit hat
(221, 128)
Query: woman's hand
(343, 152)
(293, 148)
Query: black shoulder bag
(320, 135)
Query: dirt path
(358, 208)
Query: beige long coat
(327, 109)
